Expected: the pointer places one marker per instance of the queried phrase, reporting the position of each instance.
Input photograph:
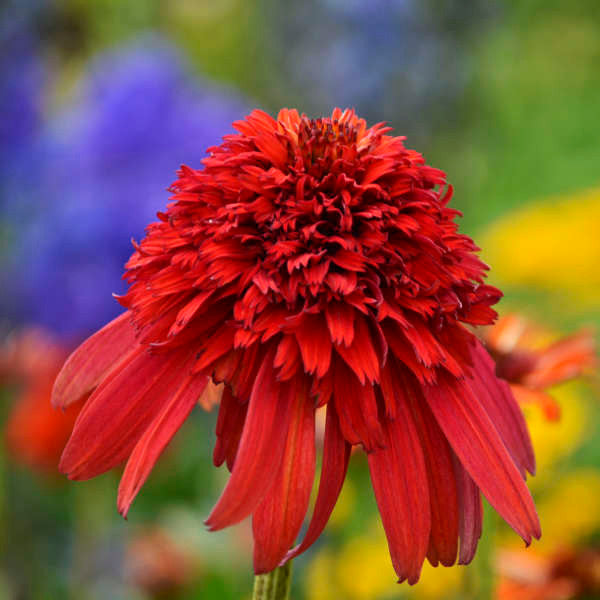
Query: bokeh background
(100, 102)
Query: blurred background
(100, 102)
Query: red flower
(530, 369)
(35, 434)
(311, 262)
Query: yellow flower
(361, 570)
(553, 245)
(569, 512)
(344, 506)
(554, 440)
(572, 511)
(437, 582)
(319, 582)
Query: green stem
(274, 585)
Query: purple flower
(101, 177)
(22, 79)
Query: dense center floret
(322, 141)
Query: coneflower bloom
(311, 263)
(531, 368)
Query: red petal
(404, 352)
(443, 542)
(226, 366)
(401, 489)
(287, 358)
(378, 168)
(470, 514)
(336, 454)
(349, 260)
(477, 444)
(156, 438)
(216, 346)
(322, 389)
(390, 308)
(186, 314)
(340, 321)
(260, 451)
(357, 409)
(498, 401)
(230, 424)
(120, 410)
(361, 356)
(88, 365)
(422, 342)
(429, 350)
(245, 375)
(278, 518)
(391, 386)
(315, 344)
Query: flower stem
(274, 585)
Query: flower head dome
(310, 263)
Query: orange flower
(567, 575)
(531, 370)
(35, 433)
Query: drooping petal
(357, 408)
(498, 401)
(244, 379)
(360, 356)
(427, 349)
(260, 450)
(480, 449)
(405, 354)
(151, 445)
(186, 314)
(443, 541)
(278, 518)
(389, 388)
(88, 365)
(230, 424)
(340, 321)
(315, 344)
(470, 513)
(216, 347)
(336, 454)
(120, 410)
(402, 494)
(287, 357)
